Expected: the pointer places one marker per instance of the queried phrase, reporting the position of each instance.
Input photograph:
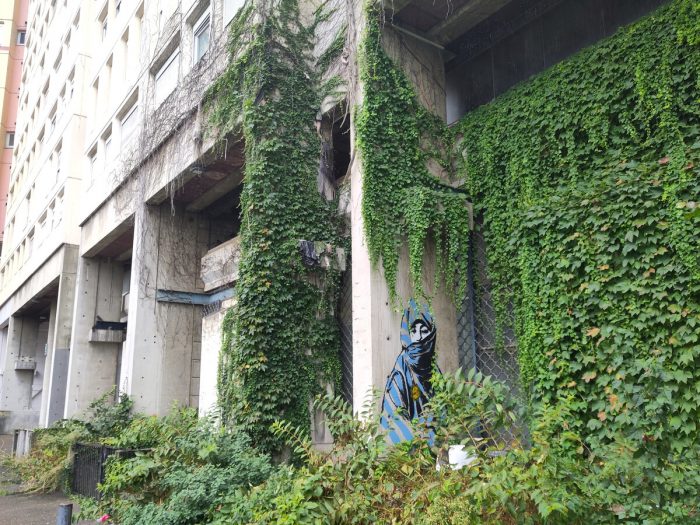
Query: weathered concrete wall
(376, 323)
(160, 349)
(17, 409)
(93, 366)
(422, 64)
(211, 346)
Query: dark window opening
(341, 147)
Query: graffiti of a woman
(408, 386)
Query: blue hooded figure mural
(408, 386)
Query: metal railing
(88, 469)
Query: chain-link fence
(345, 326)
(486, 343)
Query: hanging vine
(402, 201)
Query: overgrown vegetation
(181, 472)
(192, 472)
(280, 340)
(47, 467)
(586, 178)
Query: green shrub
(557, 478)
(183, 468)
(47, 467)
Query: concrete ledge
(98, 335)
(220, 264)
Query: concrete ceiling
(440, 21)
(40, 304)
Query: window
(129, 123)
(57, 159)
(109, 153)
(167, 76)
(57, 63)
(102, 19)
(10, 139)
(92, 159)
(202, 30)
(21, 37)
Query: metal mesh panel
(88, 468)
(483, 345)
(493, 357)
(345, 324)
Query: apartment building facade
(95, 74)
(121, 246)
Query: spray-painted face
(419, 331)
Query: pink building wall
(11, 103)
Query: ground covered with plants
(189, 470)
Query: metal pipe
(448, 54)
(65, 514)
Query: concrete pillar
(376, 323)
(44, 410)
(160, 362)
(17, 409)
(92, 367)
(58, 344)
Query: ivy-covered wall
(403, 201)
(280, 341)
(587, 179)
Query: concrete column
(376, 323)
(58, 344)
(44, 410)
(158, 360)
(16, 407)
(93, 366)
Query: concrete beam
(193, 298)
(393, 7)
(222, 188)
(464, 19)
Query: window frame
(162, 70)
(202, 24)
(130, 113)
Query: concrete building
(120, 255)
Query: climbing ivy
(402, 201)
(586, 177)
(280, 341)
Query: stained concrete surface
(28, 509)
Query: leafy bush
(47, 467)
(557, 478)
(182, 469)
